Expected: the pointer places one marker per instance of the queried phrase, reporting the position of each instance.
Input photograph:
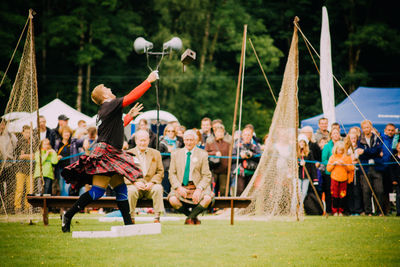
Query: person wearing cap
(62, 121)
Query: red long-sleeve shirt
(134, 95)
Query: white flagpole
(326, 77)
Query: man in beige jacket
(189, 167)
(148, 187)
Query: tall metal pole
(157, 54)
(158, 115)
(236, 108)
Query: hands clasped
(183, 192)
(144, 186)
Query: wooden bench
(46, 202)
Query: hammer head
(188, 56)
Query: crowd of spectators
(342, 168)
(349, 169)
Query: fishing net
(274, 187)
(16, 171)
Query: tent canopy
(51, 111)
(379, 105)
(151, 115)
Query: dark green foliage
(72, 36)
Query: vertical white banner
(326, 78)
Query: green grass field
(316, 241)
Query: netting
(18, 146)
(274, 187)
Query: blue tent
(379, 105)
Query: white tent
(51, 111)
(151, 116)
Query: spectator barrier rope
(212, 156)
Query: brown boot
(189, 221)
(196, 221)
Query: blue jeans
(47, 185)
(82, 190)
(303, 184)
(64, 187)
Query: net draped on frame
(16, 175)
(274, 186)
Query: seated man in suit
(190, 178)
(149, 186)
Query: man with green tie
(190, 178)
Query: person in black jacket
(62, 121)
(45, 132)
(314, 147)
(395, 174)
(369, 149)
(306, 164)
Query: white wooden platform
(120, 231)
(141, 219)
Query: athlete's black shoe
(65, 224)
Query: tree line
(80, 44)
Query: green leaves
(73, 35)
(64, 31)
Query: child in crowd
(49, 158)
(341, 167)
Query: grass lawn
(316, 241)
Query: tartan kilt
(104, 159)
